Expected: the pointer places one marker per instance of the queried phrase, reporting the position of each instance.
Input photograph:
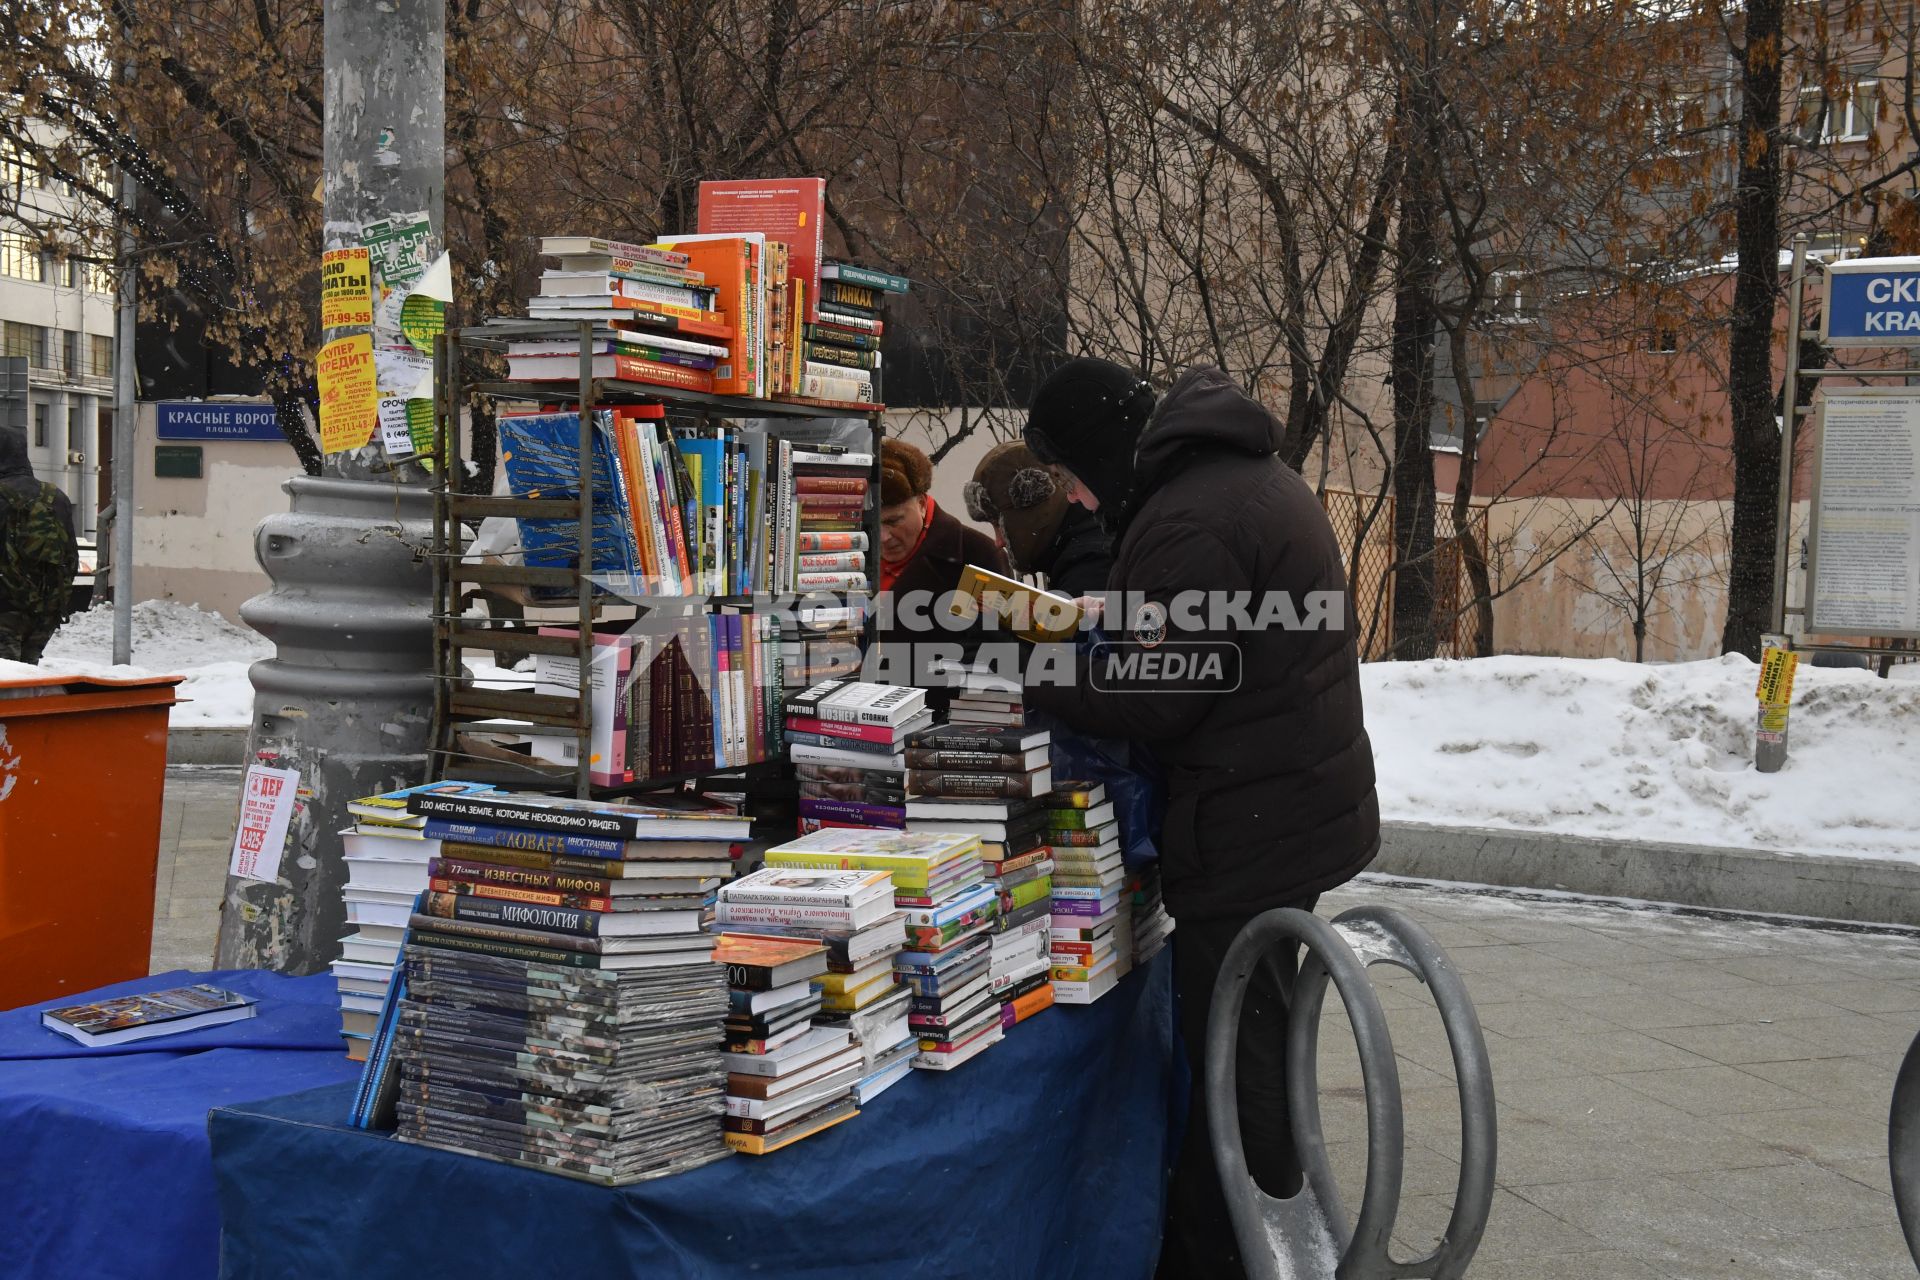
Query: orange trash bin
(83, 763)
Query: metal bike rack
(1903, 1147)
(1305, 1237)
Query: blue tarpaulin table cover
(104, 1168)
(1046, 1156)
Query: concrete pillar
(347, 697)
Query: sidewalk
(1679, 1098)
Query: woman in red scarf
(922, 548)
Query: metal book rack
(1306, 1236)
(460, 709)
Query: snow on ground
(169, 638)
(1604, 748)
(1580, 746)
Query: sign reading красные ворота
(1872, 302)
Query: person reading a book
(1042, 532)
(923, 550)
(1270, 781)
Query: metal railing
(1306, 1236)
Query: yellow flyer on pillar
(346, 288)
(349, 398)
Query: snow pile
(1603, 748)
(169, 638)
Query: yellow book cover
(1028, 612)
(757, 1144)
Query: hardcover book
(125, 1019)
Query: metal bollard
(1903, 1147)
(1305, 1237)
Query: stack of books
(828, 505)
(656, 317)
(939, 883)
(851, 913)
(821, 641)
(1092, 916)
(605, 1073)
(788, 1078)
(842, 348)
(985, 698)
(386, 857)
(560, 996)
(1152, 926)
(986, 780)
(848, 739)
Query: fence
(1363, 523)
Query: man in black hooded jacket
(1270, 785)
(38, 554)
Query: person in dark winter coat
(38, 553)
(922, 549)
(1043, 533)
(1270, 785)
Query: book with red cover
(790, 210)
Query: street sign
(212, 420)
(1872, 302)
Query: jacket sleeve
(1181, 568)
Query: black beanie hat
(1087, 417)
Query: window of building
(15, 173)
(101, 366)
(1846, 116)
(99, 278)
(28, 340)
(19, 257)
(41, 417)
(75, 272)
(1663, 342)
(69, 352)
(1515, 296)
(73, 426)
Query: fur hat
(905, 472)
(1014, 490)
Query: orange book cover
(728, 266)
(763, 951)
(789, 210)
(636, 369)
(638, 478)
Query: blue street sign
(201, 420)
(1872, 302)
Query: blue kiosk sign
(1872, 302)
(214, 420)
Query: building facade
(57, 313)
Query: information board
(205, 420)
(1864, 548)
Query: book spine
(1083, 838)
(846, 729)
(763, 895)
(585, 924)
(544, 878)
(854, 812)
(809, 917)
(955, 783)
(827, 353)
(531, 816)
(924, 760)
(907, 875)
(818, 543)
(510, 893)
(467, 945)
(578, 846)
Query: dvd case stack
(940, 884)
(611, 1075)
(1093, 940)
(788, 1076)
(848, 739)
(561, 1003)
(852, 914)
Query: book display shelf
(597, 629)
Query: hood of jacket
(13, 453)
(1204, 410)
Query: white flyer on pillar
(266, 805)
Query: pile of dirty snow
(169, 638)
(1663, 753)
